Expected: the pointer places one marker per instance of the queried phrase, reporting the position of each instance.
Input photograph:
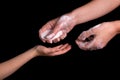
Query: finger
(44, 34)
(89, 45)
(82, 36)
(49, 41)
(97, 43)
(44, 28)
(64, 46)
(54, 49)
(57, 48)
(56, 40)
(60, 47)
(48, 25)
(60, 52)
(59, 36)
(81, 44)
(63, 36)
(92, 45)
(85, 34)
(54, 32)
(41, 38)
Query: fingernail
(51, 41)
(58, 39)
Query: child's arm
(10, 66)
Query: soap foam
(97, 26)
(57, 35)
(45, 33)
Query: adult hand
(96, 37)
(57, 29)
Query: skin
(9, 67)
(102, 35)
(68, 21)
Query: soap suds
(97, 26)
(44, 35)
(64, 20)
(57, 35)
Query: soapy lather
(45, 33)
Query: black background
(20, 23)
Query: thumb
(86, 35)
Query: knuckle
(99, 45)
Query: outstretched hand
(54, 51)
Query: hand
(96, 37)
(58, 50)
(57, 29)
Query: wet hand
(57, 29)
(96, 37)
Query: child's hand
(54, 51)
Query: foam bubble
(44, 34)
(57, 35)
(97, 26)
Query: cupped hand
(57, 29)
(53, 51)
(96, 37)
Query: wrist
(117, 26)
(39, 50)
(35, 52)
(78, 17)
(72, 18)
